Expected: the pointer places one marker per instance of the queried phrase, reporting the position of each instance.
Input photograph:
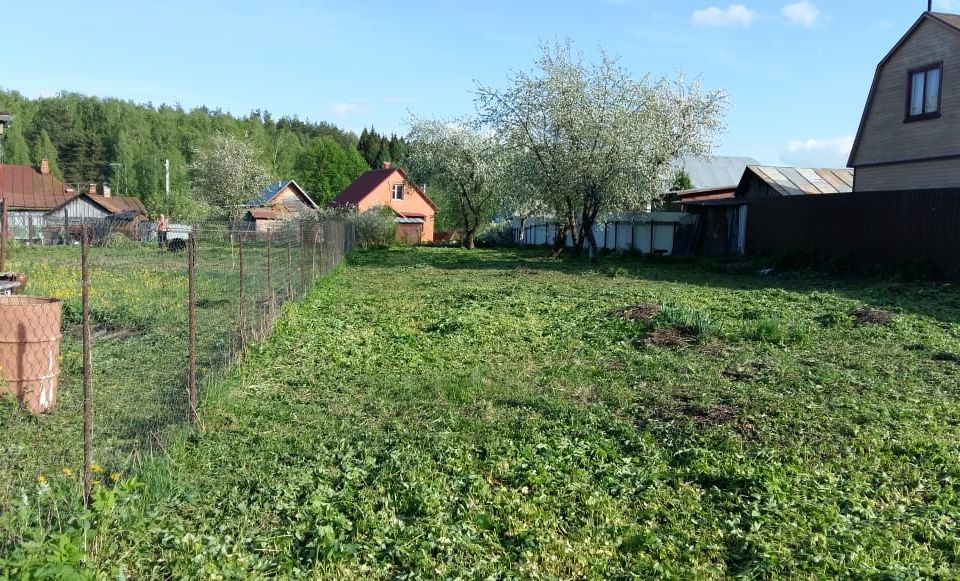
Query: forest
(94, 139)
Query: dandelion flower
(41, 479)
(115, 476)
(67, 472)
(96, 468)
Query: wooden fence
(903, 227)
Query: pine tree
(15, 150)
(43, 149)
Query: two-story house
(909, 135)
(389, 186)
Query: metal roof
(714, 171)
(25, 188)
(794, 181)
(267, 194)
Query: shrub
(496, 234)
(375, 227)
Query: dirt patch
(719, 415)
(678, 336)
(946, 357)
(743, 372)
(640, 312)
(862, 317)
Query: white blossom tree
(228, 173)
(598, 140)
(466, 165)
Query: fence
(652, 233)
(911, 227)
(145, 327)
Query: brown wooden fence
(900, 228)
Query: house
(279, 201)
(714, 171)
(908, 138)
(390, 186)
(30, 193)
(111, 213)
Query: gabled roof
(25, 188)
(714, 171)
(364, 185)
(266, 196)
(798, 181)
(950, 21)
(111, 205)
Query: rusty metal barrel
(30, 350)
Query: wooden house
(908, 137)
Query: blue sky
(797, 71)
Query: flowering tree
(596, 139)
(467, 166)
(228, 173)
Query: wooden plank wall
(896, 227)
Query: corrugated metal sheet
(26, 188)
(267, 194)
(714, 171)
(790, 181)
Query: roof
(25, 188)
(367, 182)
(110, 204)
(714, 171)
(265, 214)
(797, 181)
(951, 21)
(270, 192)
(706, 193)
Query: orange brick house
(391, 187)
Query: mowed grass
(138, 311)
(447, 413)
(444, 413)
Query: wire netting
(147, 370)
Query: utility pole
(166, 183)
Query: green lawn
(489, 413)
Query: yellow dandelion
(115, 476)
(41, 479)
(96, 468)
(67, 472)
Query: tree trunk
(559, 241)
(592, 245)
(469, 239)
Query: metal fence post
(273, 293)
(87, 362)
(289, 267)
(192, 323)
(240, 296)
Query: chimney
(92, 188)
(106, 190)
(45, 167)
(387, 164)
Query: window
(397, 191)
(923, 99)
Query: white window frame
(394, 190)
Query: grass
(449, 413)
(139, 326)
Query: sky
(797, 72)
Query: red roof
(366, 183)
(25, 188)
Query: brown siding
(289, 199)
(903, 227)
(919, 175)
(885, 136)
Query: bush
(496, 234)
(375, 227)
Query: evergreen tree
(681, 181)
(43, 149)
(15, 150)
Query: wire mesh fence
(110, 333)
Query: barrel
(30, 350)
